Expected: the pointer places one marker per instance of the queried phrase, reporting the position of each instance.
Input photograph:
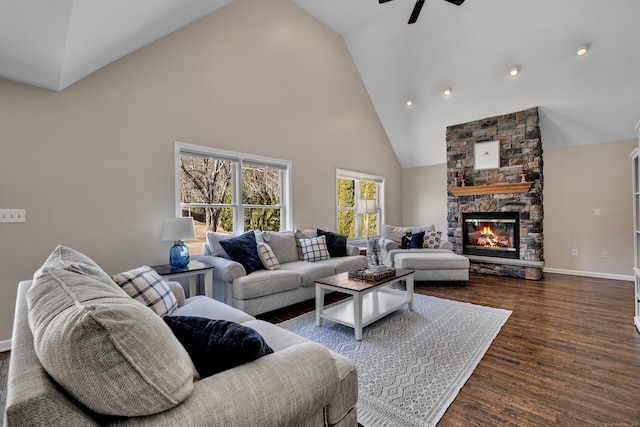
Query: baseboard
(590, 274)
(5, 345)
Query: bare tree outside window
(208, 195)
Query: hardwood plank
(568, 355)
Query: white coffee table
(370, 301)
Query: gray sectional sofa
(291, 282)
(85, 353)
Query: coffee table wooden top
(342, 280)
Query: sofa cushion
(243, 249)
(214, 239)
(396, 233)
(264, 282)
(145, 285)
(417, 240)
(347, 263)
(217, 345)
(336, 243)
(104, 348)
(268, 258)
(282, 243)
(432, 239)
(202, 306)
(314, 249)
(310, 271)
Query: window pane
(373, 224)
(265, 219)
(368, 190)
(347, 222)
(260, 185)
(205, 180)
(346, 192)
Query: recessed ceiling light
(409, 103)
(582, 50)
(514, 71)
(446, 91)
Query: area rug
(411, 364)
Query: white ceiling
(582, 100)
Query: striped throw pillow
(267, 257)
(145, 285)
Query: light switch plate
(13, 215)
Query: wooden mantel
(472, 190)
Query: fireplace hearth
(492, 234)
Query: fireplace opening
(493, 234)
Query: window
(231, 192)
(351, 186)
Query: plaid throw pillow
(146, 286)
(267, 257)
(432, 239)
(314, 249)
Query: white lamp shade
(178, 229)
(367, 206)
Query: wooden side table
(192, 271)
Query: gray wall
(93, 165)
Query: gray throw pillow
(108, 351)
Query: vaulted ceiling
(469, 48)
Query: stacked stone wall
(520, 148)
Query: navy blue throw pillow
(217, 345)
(244, 249)
(417, 240)
(336, 243)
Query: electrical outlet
(605, 254)
(596, 212)
(574, 252)
(12, 215)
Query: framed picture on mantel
(487, 155)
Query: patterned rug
(4, 368)
(411, 364)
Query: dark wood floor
(569, 355)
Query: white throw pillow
(432, 239)
(267, 257)
(145, 285)
(314, 249)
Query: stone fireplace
(495, 215)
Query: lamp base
(179, 254)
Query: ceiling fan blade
(456, 2)
(384, 1)
(416, 11)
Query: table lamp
(176, 230)
(366, 207)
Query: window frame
(380, 194)
(238, 159)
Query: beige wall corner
(424, 196)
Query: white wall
(93, 164)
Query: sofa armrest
(445, 244)
(226, 269)
(245, 395)
(353, 250)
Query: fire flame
(488, 237)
